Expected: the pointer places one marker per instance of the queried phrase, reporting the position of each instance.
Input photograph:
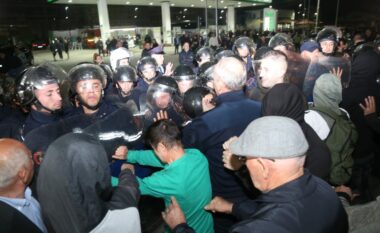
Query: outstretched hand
(337, 72)
(121, 153)
(370, 105)
(220, 205)
(161, 115)
(173, 214)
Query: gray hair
(231, 72)
(11, 164)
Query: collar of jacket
(43, 117)
(291, 191)
(229, 97)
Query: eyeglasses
(85, 87)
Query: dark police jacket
(306, 204)
(232, 114)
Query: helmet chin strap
(121, 92)
(39, 107)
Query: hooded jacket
(74, 188)
(287, 100)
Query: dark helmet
(205, 72)
(161, 85)
(168, 82)
(35, 78)
(261, 52)
(327, 34)
(220, 53)
(192, 101)
(126, 74)
(86, 71)
(281, 39)
(107, 70)
(151, 62)
(184, 72)
(246, 42)
(205, 53)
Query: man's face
(186, 47)
(243, 51)
(125, 86)
(149, 72)
(90, 91)
(327, 46)
(159, 58)
(185, 85)
(99, 60)
(271, 73)
(162, 99)
(124, 62)
(49, 96)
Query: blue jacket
(208, 132)
(306, 204)
(36, 119)
(186, 58)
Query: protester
(20, 212)
(74, 188)
(185, 173)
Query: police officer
(282, 42)
(124, 80)
(39, 89)
(198, 100)
(185, 78)
(204, 55)
(162, 95)
(119, 57)
(205, 75)
(245, 49)
(147, 68)
(328, 41)
(221, 52)
(87, 84)
(158, 54)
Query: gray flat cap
(272, 137)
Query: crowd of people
(253, 134)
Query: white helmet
(117, 55)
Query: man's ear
(23, 175)
(161, 147)
(264, 167)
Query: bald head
(229, 75)
(13, 156)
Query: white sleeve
(316, 121)
(120, 221)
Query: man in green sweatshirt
(185, 173)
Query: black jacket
(306, 204)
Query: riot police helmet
(117, 55)
(184, 72)
(220, 53)
(86, 71)
(245, 42)
(281, 39)
(125, 74)
(192, 101)
(205, 53)
(36, 78)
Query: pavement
(86, 55)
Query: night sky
(37, 16)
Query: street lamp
(317, 17)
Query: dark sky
(36, 16)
